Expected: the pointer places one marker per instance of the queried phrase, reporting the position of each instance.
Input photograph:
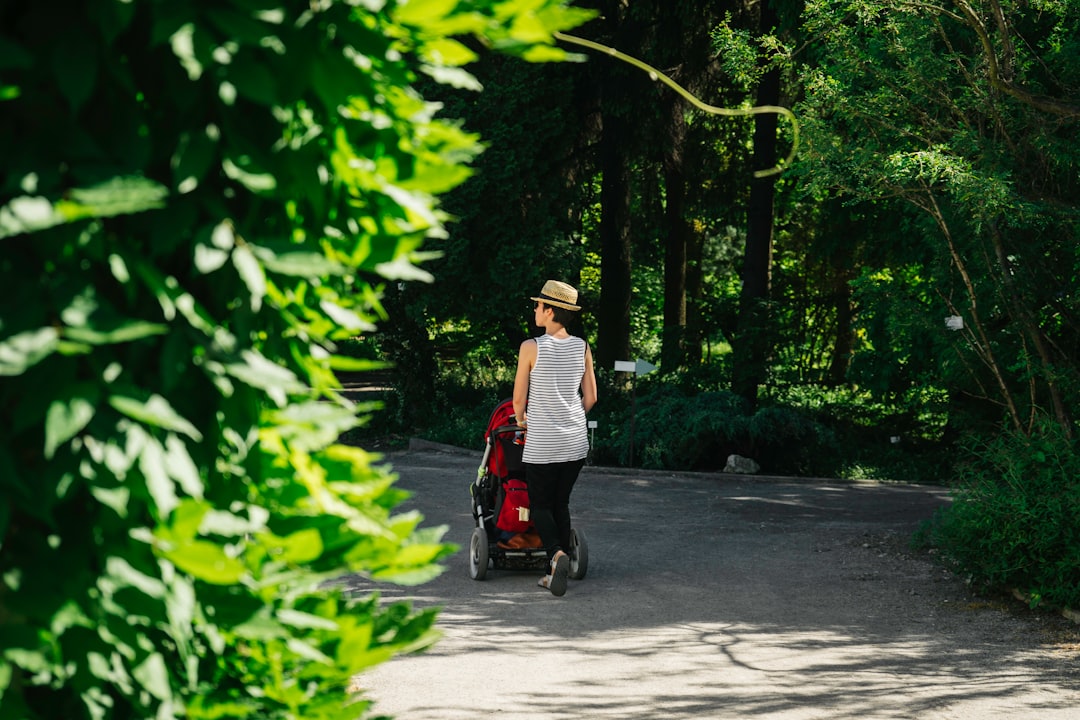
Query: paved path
(715, 596)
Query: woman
(554, 388)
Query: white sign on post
(638, 367)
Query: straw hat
(558, 294)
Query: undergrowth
(1012, 523)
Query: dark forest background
(799, 319)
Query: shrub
(1012, 523)
(791, 442)
(198, 202)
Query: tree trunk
(753, 335)
(613, 334)
(843, 345)
(673, 348)
(695, 291)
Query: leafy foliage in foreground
(198, 201)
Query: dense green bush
(901, 439)
(198, 201)
(1013, 520)
(670, 429)
(800, 431)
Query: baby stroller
(504, 537)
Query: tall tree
(618, 87)
(754, 337)
(963, 121)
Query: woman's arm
(526, 360)
(588, 382)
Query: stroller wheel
(478, 554)
(579, 554)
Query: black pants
(550, 485)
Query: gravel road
(720, 596)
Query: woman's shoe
(555, 581)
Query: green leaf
(312, 425)
(302, 546)
(354, 364)
(448, 52)
(259, 372)
(240, 27)
(115, 498)
(193, 157)
(227, 524)
(158, 483)
(209, 258)
(408, 576)
(75, 66)
(5, 678)
(65, 419)
(423, 12)
(206, 561)
(20, 352)
(454, 77)
(118, 196)
(181, 467)
(251, 273)
(253, 80)
(186, 522)
(306, 651)
(155, 411)
(212, 257)
(346, 317)
(127, 331)
(298, 263)
(303, 620)
(255, 182)
(183, 46)
(27, 214)
(153, 675)
(120, 570)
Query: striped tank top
(557, 430)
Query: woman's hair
(561, 315)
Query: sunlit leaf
(118, 196)
(209, 258)
(158, 482)
(181, 467)
(206, 561)
(20, 352)
(298, 263)
(252, 274)
(448, 52)
(65, 419)
(260, 372)
(307, 621)
(301, 546)
(183, 46)
(123, 332)
(346, 318)
(154, 411)
(256, 182)
(121, 571)
(153, 676)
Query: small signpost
(638, 367)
